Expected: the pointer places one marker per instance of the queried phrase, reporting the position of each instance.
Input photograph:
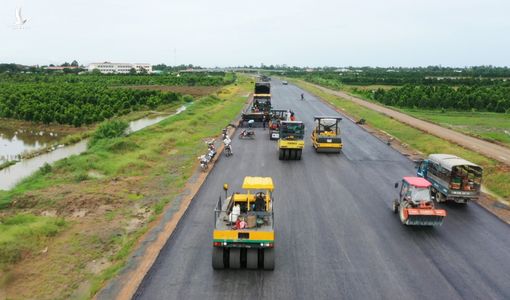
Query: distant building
(119, 68)
(60, 68)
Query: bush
(46, 168)
(81, 177)
(109, 130)
(187, 98)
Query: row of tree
(183, 79)
(495, 98)
(75, 104)
(400, 76)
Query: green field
(493, 127)
(89, 210)
(496, 178)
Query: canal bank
(13, 174)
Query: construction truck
(275, 118)
(326, 135)
(262, 90)
(415, 205)
(244, 234)
(261, 105)
(291, 143)
(453, 178)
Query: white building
(119, 68)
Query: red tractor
(415, 205)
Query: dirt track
(488, 149)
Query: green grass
(23, 233)
(161, 157)
(496, 179)
(493, 127)
(485, 125)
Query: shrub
(187, 98)
(109, 130)
(46, 168)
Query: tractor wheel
(402, 213)
(235, 258)
(252, 258)
(298, 155)
(281, 154)
(217, 258)
(269, 259)
(394, 206)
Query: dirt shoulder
(497, 152)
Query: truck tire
(235, 258)
(252, 259)
(286, 154)
(217, 258)
(280, 154)
(269, 259)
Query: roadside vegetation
(493, 127)
(89, 98)
(93, 207)
(496, 176)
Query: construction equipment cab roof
(418, 182)
(258, 183)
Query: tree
(132, 71)
(74, 63)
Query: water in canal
(15, 143)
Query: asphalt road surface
(336, 237)
(492, 150)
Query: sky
(235, 32)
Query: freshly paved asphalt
(336, 237)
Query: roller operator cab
(291, 143)
(326, 134)
(415, 205)
(244, 235)
(453, 178)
